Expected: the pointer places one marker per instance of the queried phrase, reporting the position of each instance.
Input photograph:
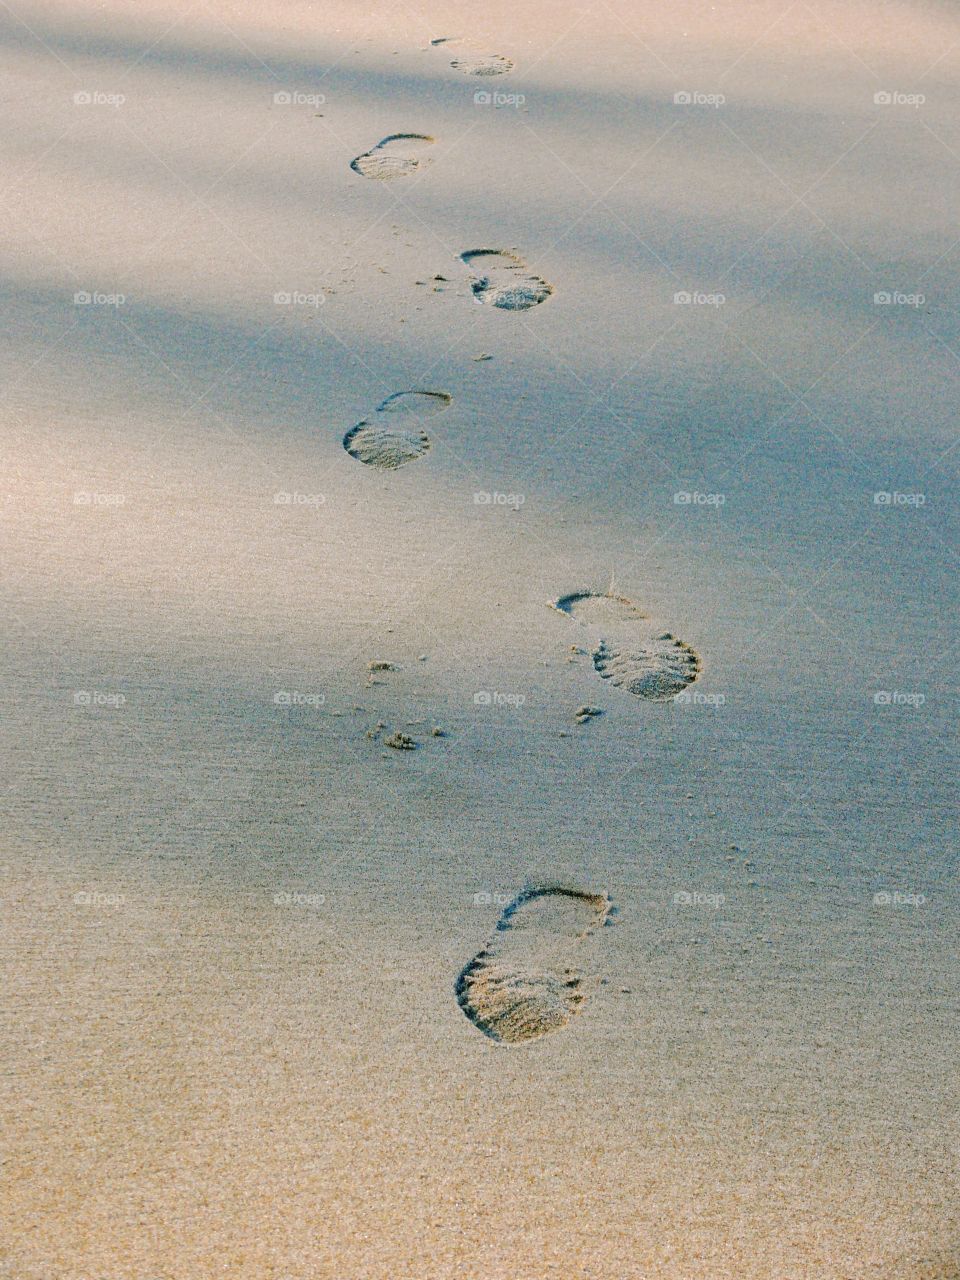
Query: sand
(234, 919)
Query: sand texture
(479, 538)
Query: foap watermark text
(493, 698)
(496, 499)
(487, 98)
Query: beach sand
(677, 296)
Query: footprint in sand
(484, 64)
(394, 437)
(394, 157)
(657, 670)
(600, 609)
(637, 657)
(522, 986)
(504, 280)
(472, 63)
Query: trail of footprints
(524, 984)
(503, 280)
(629, 650)
(396, 156)
(470, 62)
(394, 436)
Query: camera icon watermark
(98, 98)
(294, 698)
(295, 499)
(693, 498)
(84, 299)
(686, 298)
(297, 98)
(893, 298)
(486, 98)
(97, 698)
(891, 498)
(894, 898)
(296, 298)
(513, 500)
(84, 498)
(894, 698)
(492, 698)
(97, 899)
(694, 98)
(684, 898)
(696, 698)
(895, 98)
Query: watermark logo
(891, 498)
(295, 298)
(294, 698)
(296, 98)
(491, 698)
(694, 98)
(484, 899)
(893, 298)
(299, 899)
(886, 898)
(894, 698)
(97, 98)
(84, 299)
(96, 899)
(684, 298)
(284, 499)
(688, 498)
(685, 899)
(495, 499)
(894, 98)
(97, 698)
(485, 98)
(695, 698)
(84, 498)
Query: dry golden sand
(233, 921)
